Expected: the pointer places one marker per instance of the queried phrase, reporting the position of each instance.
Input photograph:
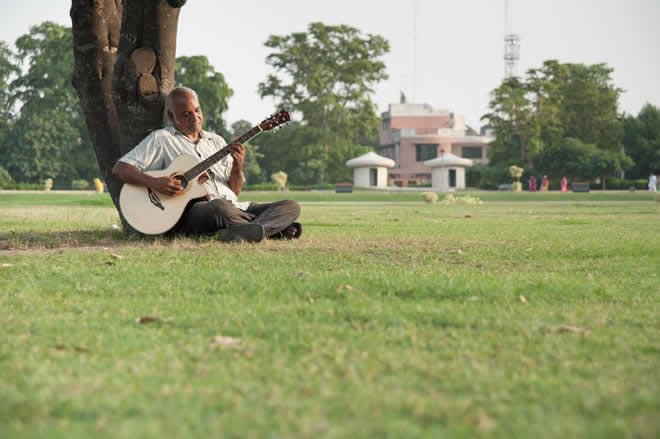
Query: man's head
(184, 111)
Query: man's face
(187, 116)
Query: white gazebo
(448, 172)
(370, 170)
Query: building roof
(416, 110)
(370, 159)
(447, 159)
(472, 139)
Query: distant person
(653, 183)
(532, 184)
(221, 213)
(544, 184)
(564, 184)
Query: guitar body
(153, 213)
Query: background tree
(553, 102)
(578, 160)
(641, 141)
(590, 106)
(512, 119)
(603, 163)
(48, 137)
(569, 157)
(327, 75)
(251, 168)
(8, 70)
(124, 62)
(212, 90)
(544, 86)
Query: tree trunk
(124, 55)
(602, 182)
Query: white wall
(382, 177)
(361, 177)
(440, 179)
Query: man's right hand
(132, 175)
(166, 185)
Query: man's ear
(170, 116)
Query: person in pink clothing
(545, 183)
(564, 184)
(532, 184)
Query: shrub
(279, 178)
(293, 187)
(261, 187)
(486, 177)
(641, 183)
(309, 187)
(98, 185)
(467, 199)
(79, 185)
(5, 178)
(430, 197)
(24, 186)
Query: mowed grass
(91, 199)
(497, 320)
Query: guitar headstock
(275, 120)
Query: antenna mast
(511, 46)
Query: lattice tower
(511, 46)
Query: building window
(426, 151)
(471, 152)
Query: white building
(448, 172)
(370, 170)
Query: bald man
(220, 213)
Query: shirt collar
(202, 133)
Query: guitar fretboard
(197, 170)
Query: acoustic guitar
(152, 213)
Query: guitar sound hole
(182, 181)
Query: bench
(580, 187)
(505, 187)
(344, 188)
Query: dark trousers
(207, 217)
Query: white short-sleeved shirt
(161, 147)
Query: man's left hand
(238, 154)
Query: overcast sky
(459, 43)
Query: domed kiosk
(370, 170)
(448, 172)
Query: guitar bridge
(153, 197)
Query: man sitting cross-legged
(221, 212)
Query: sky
(458, 44)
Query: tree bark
(124, 62)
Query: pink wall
(398, 122)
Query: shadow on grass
(19, 242)
(16, 241)
(60, 239)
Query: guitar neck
(205, 164)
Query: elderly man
(221, 213)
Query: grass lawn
(88, 199)
(498, 320)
